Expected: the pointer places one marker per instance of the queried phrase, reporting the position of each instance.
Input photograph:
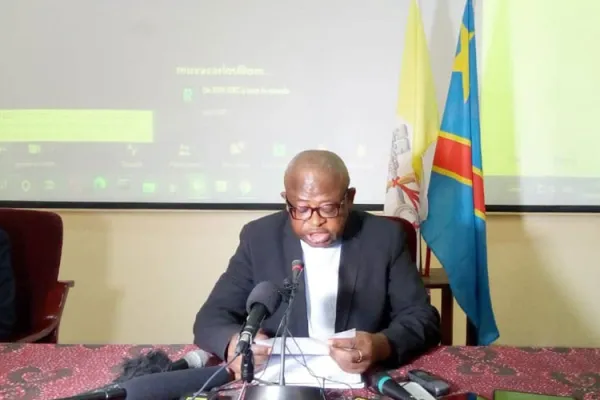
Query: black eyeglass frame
(292, 210)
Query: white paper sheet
(307, 363)
(305, 345)
(315, 371)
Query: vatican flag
(416, 128)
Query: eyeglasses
(305, 213)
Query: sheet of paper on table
(307, 363)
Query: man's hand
(357, 354)
(261, 354)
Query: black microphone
(385, 385)
(193, 359)
(156, 361)
(263, 301)
(291, 287)
(297, 268)
(161, 386)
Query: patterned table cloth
(43, 371)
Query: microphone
(290, 288)
(161, 386)
(263, 301)
(385, 385)
(297, 268)
(193, 359)
(158, 361)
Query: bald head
(311, 166)
(318, 197)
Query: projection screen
(197, 102)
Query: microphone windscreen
(267, 294)
(174, 384)
(297, 265)
(197, 358)
(150, 363)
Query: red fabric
(36, 239)
(43, 371)
(411, 234)
(411, 240)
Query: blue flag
(455, 228)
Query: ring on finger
(360, 357)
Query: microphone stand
(280, 391)
(284, 335)
(247, 369)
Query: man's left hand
(355, 355)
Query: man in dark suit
(7, 289)
(358, 274)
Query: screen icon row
(198, 185)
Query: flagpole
(419, 241)
(419, 250)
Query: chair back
(36, 239)
(411, 235)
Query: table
(44, 371)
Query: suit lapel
(348, 272)
(292, 250)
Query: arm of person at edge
(7, 289)
(220, 319)
(414, 327)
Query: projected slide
(540, 91)
(194, 101)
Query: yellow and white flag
(416, 128)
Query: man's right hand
(261, 354)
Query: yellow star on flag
(461, 61)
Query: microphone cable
(320, 379)
(196, 394)
(236, 355)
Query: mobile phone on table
(430, 382)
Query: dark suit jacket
(7, 289)
(379, 289)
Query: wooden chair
(437, 278)
(36, 248)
